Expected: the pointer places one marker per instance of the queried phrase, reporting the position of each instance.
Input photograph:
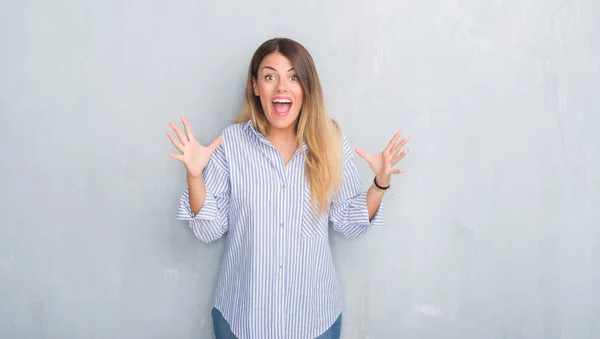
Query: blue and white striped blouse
(277, 278)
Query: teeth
(283, 101)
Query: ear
(255, 86)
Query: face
(279, 90)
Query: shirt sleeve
(212, 220)
(349, 214)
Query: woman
(273, 181)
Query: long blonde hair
(314, 127)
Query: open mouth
(282, 105)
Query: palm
(375, 161)
(193, 155)
(383, 163)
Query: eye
(269, 77)
(294, 78)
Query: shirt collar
(249, 127)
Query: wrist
(381, 185)
(194, 176)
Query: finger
(397, 171)
(399, 156)
(362, 154)
(393, 141)
(187, 129)
(176, 157)
(182, 138)
(213, 145)
(397, 148)
(175, 143)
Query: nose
(281, 85)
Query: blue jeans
(223, 331)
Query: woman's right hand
(193, 155)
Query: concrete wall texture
(492, 232)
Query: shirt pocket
(313, 226)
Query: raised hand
(193, 155)
(383, 163)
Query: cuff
(360, 212)
(209, 210)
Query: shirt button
(280, 266)
(283, 187)
(281, 225)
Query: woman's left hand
(383, 163)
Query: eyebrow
(291, 69)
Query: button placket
(282, 215)
(281, 246)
